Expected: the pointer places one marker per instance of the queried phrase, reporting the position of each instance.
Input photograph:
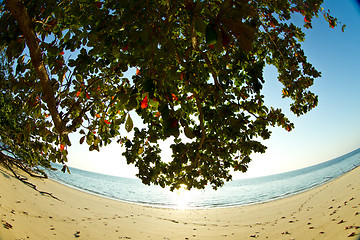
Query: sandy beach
(331, 211)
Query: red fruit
(137, 72)
(62, 53)
(107, 122)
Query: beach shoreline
(329, 211)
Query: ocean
(234, 193)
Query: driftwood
(9, 163)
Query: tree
(198, 80)
(19, 139)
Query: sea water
(234, 193)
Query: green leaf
(343, 28)
(132, 103)
(141, 150)
(92, 148)
(128, 144)
(188, 132)
(200, 26)
(79, 78)
(67, 140)
(210, 34)
(149, 87)
(82, 140)
(120, 121)
(129, 124)
(65, 169)
(89, 138)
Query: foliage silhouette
(198, 81)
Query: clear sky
(328, 131)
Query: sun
(182, 197)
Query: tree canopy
(198, 78)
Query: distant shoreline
(241, 192)
(198, 208)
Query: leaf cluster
(198, 80)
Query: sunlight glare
(182, 197)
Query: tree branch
(213, 73)
(202, 126)
(76, 120)
(25, 23)
(18, 163)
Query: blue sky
(328, 131)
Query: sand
(331, 211)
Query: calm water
(237, 192)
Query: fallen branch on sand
(5, 161)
